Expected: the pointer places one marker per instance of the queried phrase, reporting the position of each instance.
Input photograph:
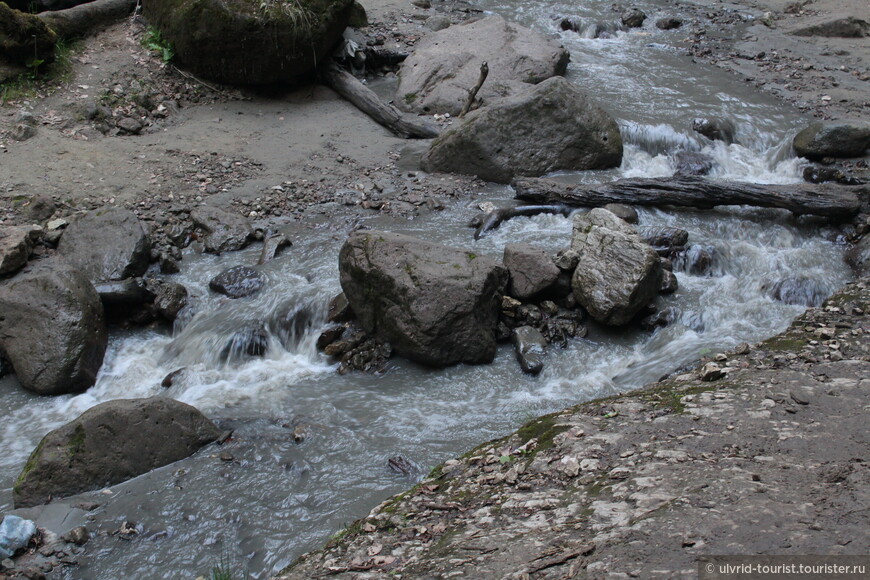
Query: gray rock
(41, 208)
(623, 212)
(664, 236)
(692, 163)
(715, 129)
(669, 23)
(79, 536)
(845, 27)
(130, 125)
(52, 328)
(225, 231)
(445, 65)
(858, 256)
(833, 139)
(16, 245)
(250, 42)
(531, 270)
(109, 243)
(529, 345)
(437, 22)
(169, 298)
(669, 282)
(238, 282)
(698, 260)
(22, 132)
(618, 273)
(633, 18)
(436, 305)
(550, 127)
(797, 290)
(110, 443)
(250, 341)
(566, 259)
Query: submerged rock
(550, 127)
(797, 290)
(110, 443)
(436, 305)
(833, 139)
(445, 65)
(250, 42)
(618, 273)
(251, 341)
(52, 328)
(692, 163)
(715, 129)
(633, 18)
(109, 243)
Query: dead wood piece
(832, 201)
(495, 218)
(472, 94)
(86, 19)
(364, 99)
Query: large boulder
(24, 39)
(16, 245)
(253, 42)
(109, 243)
(110, 443)
(436, 305)
(552, 126)
(52, 328)
(445, 65)
(224, 231)
(833, 139)
(618, 273)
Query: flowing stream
(271, 499)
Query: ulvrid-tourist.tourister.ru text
(785, 569)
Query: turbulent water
(273, 498)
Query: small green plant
(222, 570)
(154, 42)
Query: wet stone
(529, 345)
(237, 282)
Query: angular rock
(445, 65)
(109, 243)
(41, 208)
(698, 260)
(225, 231)
(669, 282)
(16, 245)
(250, 42)
(531, 270)
(692, 163)
(552, 126)
(110, 443)
(237, 282)
(436, 305)
(169, 299)
(52, 328)
(623, 212)
(633, 18)
(664, 236)
(15, 534)
(618, 273)
(669, 23)
(715, 129)
(833, 139)
(529, 345)
(858, 256)
(846, 27)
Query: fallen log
(364, 99)
(831, 201)
(86, 19)
(495, 218)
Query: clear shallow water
(276, 499)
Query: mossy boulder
(24, 40)
(250, 42)
(110, 443)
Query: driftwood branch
(86, 19)
(364, 99)
(833, 201)
(472, 94)
(495, 218)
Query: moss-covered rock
(251, 42)
(24, 39)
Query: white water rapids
(277, 499)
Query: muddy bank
(761, 450)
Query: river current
(269, 499)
